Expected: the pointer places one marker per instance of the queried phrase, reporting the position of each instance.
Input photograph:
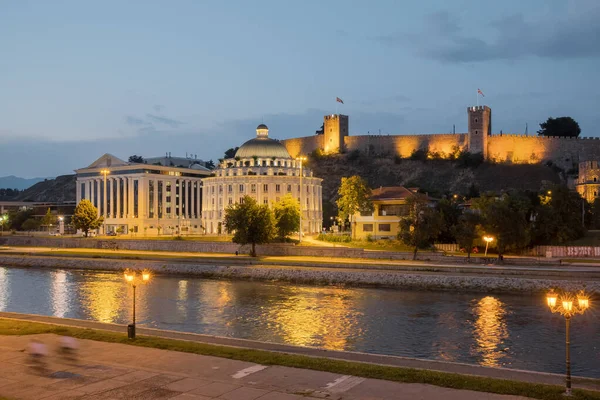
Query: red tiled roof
(391, 193)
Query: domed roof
(262, 147)
(262, 126)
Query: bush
(369, 238)
(178, 237)
(353, 155)
(327, 237)
(419, 155)
(469, 160)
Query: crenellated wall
(303, 145)
(404, 145)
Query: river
(513, 331)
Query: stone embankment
(323, 276)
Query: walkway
(118, 371)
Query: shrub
(419, 155)
(369, 238)
(327, 237)
(353, 155)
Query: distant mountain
(14, 182)
(60, 189)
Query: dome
(262, 126)
(262, 147)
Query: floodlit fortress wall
(564, 152)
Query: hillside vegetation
(435, 177)
(60, 189)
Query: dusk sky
(79, 79)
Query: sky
(79, 79)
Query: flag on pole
(339, 100)
(480, 92)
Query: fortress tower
(335, 128)
(480, 128)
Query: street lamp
(300, 159)
(487, 239)
(564, 304)
(61, 225)
(3, 218)
(104, 201)
(134, 278)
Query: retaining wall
(566, 251)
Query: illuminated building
(264, 170)
(152, 199)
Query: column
(130, 197)
(118, 205)
(193, 199)
(188, 204)
(164, 198)
(142, 197)
(77, 191)
(199, 197)
(156, 198)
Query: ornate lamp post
(3, 219)
(300, 159)
(568, 305)
(134, 278)
(488, 240)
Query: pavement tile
(136, 376)
(101, 386)
(124, 392)
(156, 393)
(281, 396)
(73, 383)
(215, 389)
(24, 391)
(161, 380)
(67, 395)
(244, 393)
(187, 384)
(189, 396)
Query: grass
(406, 375)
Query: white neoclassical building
(142, 198)
(263, 169)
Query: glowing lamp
(584, 302)
(567, 305)
(551, 298)
(145, 276)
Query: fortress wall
(303, 145)
(562, 151)
(404, 145)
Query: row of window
(380, 227)
(265, 188)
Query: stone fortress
(565, 152)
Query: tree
(250, 223)
(507, 220)
(30, 225)
(355, 196)
(230, 153)
(450, 213)
(210, 164)
(422, 225)
(287, 216)
(561, 126)
(86, 217)
(466, 231)
(558, 217)
(49, 219)
(136, 159)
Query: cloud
(134, 121)
(173, 123)
(508, 38)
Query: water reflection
(4, 289)
(489, 330)
(59, 293)
(103, 297)
(322, 317)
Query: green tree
(30, 225)
(450, 213)
(561, 126)
(86, 217)
(250, 223)
(422, 225)
(136, 159)
(210, 164)
(507, 220)
(230, 153)
(49, 219)
(466, 231)
(287, 216)
(354, 196)
(558, 217)
(593, 218)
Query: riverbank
(417, 276)
(359, 367)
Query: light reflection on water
(500, 330)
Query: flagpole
(477, 95)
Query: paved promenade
(117, 371)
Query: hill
(436, 177)
(60, 189)
(14, 182)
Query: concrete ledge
(404, 362)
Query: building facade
(588, 182)
(142, 198)
(389, 206)
(264, 170)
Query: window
(265, 201)
(399, 209)
(367, 227)
(476, 132)
(595, 179)
(220, 189)
(277, 188)
(212, 189)
(241, 188)
(366, 213)
(266, 187)
(241, 200)
(289, 188)
(230, 188)
(230, 201)
(253, 188)
(385, 228)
